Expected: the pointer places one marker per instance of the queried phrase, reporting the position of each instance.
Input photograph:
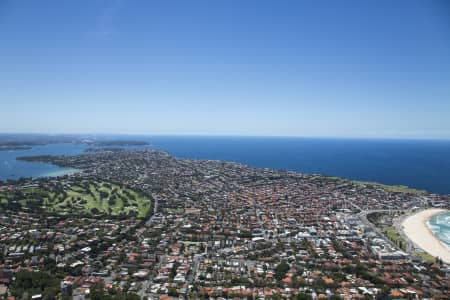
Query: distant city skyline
(378, 69)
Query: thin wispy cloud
(105, 21)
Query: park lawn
(425, 256)
(3, 198)
(391, 188)
(388, 188)
(393, 235)
(86, 197)
(175, 210)
(77, 188)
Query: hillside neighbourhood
(144, 224)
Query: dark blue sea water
(422, 164)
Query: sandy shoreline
(416, 229)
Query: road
(155, 210)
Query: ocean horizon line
(317, 137)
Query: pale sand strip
(416, 229)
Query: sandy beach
(416, 229)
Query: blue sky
(294, 68)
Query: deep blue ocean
(422, 164)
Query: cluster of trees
(340, 248)
(281, 270)
(98, 293)
(16, 201)
(10, 205)
(173, 271)
(37, 282)
(361, 270)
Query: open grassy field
(391, 188)
(79, 197)
(426, 256)
(393, 235)
(388, 188)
